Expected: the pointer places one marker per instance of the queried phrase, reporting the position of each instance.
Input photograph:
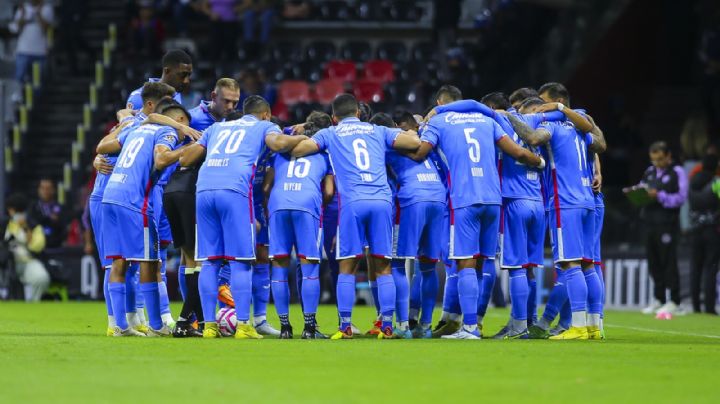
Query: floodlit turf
(58, 353)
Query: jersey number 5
(473, 145)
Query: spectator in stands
(147, 32)
(252, 82)
(224, 21)
(26, 241)
(252, 10)
(31, 22)
(667, 186)
(49, 214)
(72, 19)
(296, 10)
(705, 219)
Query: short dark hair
(255, 104)
(660, 146)
(315, 121)
(155, 91)
(555, 91)
(405, 117)
(18, 202)
(233, 115)
(448, 93)
(345, 105)
(366, 111)
(176, 57)
(383, 119)
(531, 102)
(496, 100)
(522, 94)
(176, 108)
(164, 103)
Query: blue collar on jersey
(350, 119)
(204, 107)
(250, 116)
(140, 116)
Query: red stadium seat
(327, 89)
(379, 70)
(293, 91)
(369, 91)
(341, 69)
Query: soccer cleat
(464, 334)
(312, 333)
(346, 334)
(211, 330)
(142, 328)
(388, 333)
(128, 332)
(355, 329)
(376, 328)
(170, 324)
(225, 296)
(557, 330)
(503, 333)
(404, 334)
(183, 329)
(449, 328)
(652, 308)
(536, 332)
(162, 332)
(421, 332)
(512, 334)
(246, 331)
(594, 332)
(264, 328)
(571, 333)
(286, 332)
(110, 332)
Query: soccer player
(570, 205)
(521, 94)
(357, 153)
(130, 229)
(421, 203)
(469, 143)
(298, 188)
(176, 72)
(225, 220)
(179, 201)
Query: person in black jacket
(705, 219)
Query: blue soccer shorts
(129, 234)
(262, 237)
(364, 222)
(572, 234)
(420, 232)
(599, 216)
(522, 235)
(225, 226)
(96, 208)
(295, 228)
(160, 218)
(474, 231)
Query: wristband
(560, 106)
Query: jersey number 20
(233, 141)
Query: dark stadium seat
(402, 10)
(344, 70)
(394, 51)
(368, 91)
(327, 89)
(278, 73)
(320, 51)
(335, 11)
(401, 92)
(291, 92)
(298, 113)
(424, 51)
(358, 51)
(307, 71)
(379, 70)
(283, 51)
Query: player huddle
(468, 184)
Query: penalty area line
(690, 334)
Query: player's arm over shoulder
(163, 153)
(309, 146)
(279, 143)
(110, 144)
(598, 144)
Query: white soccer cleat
(163, 332)
(128, 332)
(653, 308)
(463, 334)
(355, 330)
(265, 328)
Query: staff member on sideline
(667, 185)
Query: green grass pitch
(54, 352)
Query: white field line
(690, 334)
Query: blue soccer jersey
(200, 116)
(519, 181)
(298, 183)
(233, 149)
(264, 162)
(133, 177)
(467, 142)
(135, 102)
(357, 154)
(566, 177)
(102, 179)
(416, 182)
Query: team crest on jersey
(170, 138)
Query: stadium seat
(402, 92)
(320, 52)
(291, 92)
(309, 71)
(402, 10)
(394, 51)
(358, 51)
(424, 51)
(284, 51)
(327, 89)
(379, 70)
(369, 91)
(341, 70)
(335, 11)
